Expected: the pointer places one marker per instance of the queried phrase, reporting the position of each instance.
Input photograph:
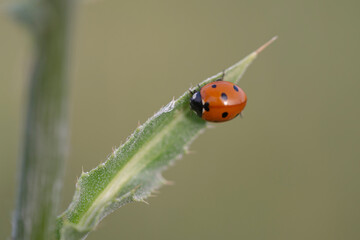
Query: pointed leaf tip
(260, 49)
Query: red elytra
(218, 101)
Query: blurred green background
(290, 169)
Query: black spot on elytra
(206, 106)
(224, 96)
(213, 86)
(224, 115)
(236, 88)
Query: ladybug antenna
(260, 49)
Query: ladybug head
(196, 103)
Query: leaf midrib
(129, 170)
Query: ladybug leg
(239, 115)
(192, 92)
(222, 76)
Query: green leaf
(133, 170)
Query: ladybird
(218, 101)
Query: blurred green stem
(46, 132)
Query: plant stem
(46, 133)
